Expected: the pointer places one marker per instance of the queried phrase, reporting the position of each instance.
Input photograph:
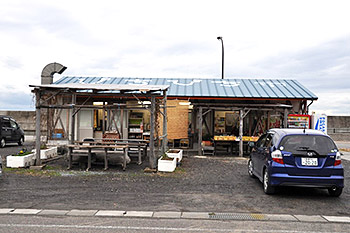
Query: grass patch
(180, 170)
(32, 172)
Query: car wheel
(268, 189)
(335, 192)
(250, 168)
(2, 143)
(20, 142)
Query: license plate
(309, 161)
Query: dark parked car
(297, 157)
(10, 131)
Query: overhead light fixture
(144, 102)
(185, 103)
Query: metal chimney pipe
(49, 70)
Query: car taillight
(277, 156)
(337, 159)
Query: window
(13, 124)
(6, 124)
(268, 141)
(300, 144)
(261, 141)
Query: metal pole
(241, 132)
(165, 128)
(37, 129)
(285, 119)
(151, 142)
(222, 58)
(72, 132)
(200, 127)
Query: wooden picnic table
(131, 143)
(85, 149)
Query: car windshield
(301, 144)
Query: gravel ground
(218, 184)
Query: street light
(222, 59)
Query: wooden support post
(152, 158)
(285, 120)
(193, 126)
(109, 121)
(241, 132)
(103, 119)
(72, 131)
(37, 129)
(165, 123)
(250, 124)
(121, 123)
(200, 130)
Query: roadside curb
(178, 215)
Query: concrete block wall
(338, 121)
(339, 127)
(26, 119)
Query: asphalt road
(103, 224)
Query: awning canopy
(103, 87)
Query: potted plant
(166, 163)
(23, 158)
(46, 152)
(175, 153)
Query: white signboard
(320, 122)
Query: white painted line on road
(5, 211)
(25, 211)
(337, 219)
(162, 229)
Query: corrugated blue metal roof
(226, 88)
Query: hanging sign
(320, 122)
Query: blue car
(297, 157)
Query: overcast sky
(304, 40)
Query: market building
(226, 113)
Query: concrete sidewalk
(179, 215)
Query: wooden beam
(241, 133)
(37, 129)
(165, 123)
(285, 119)
(72, 116)
(200, 130)
(152, 157)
